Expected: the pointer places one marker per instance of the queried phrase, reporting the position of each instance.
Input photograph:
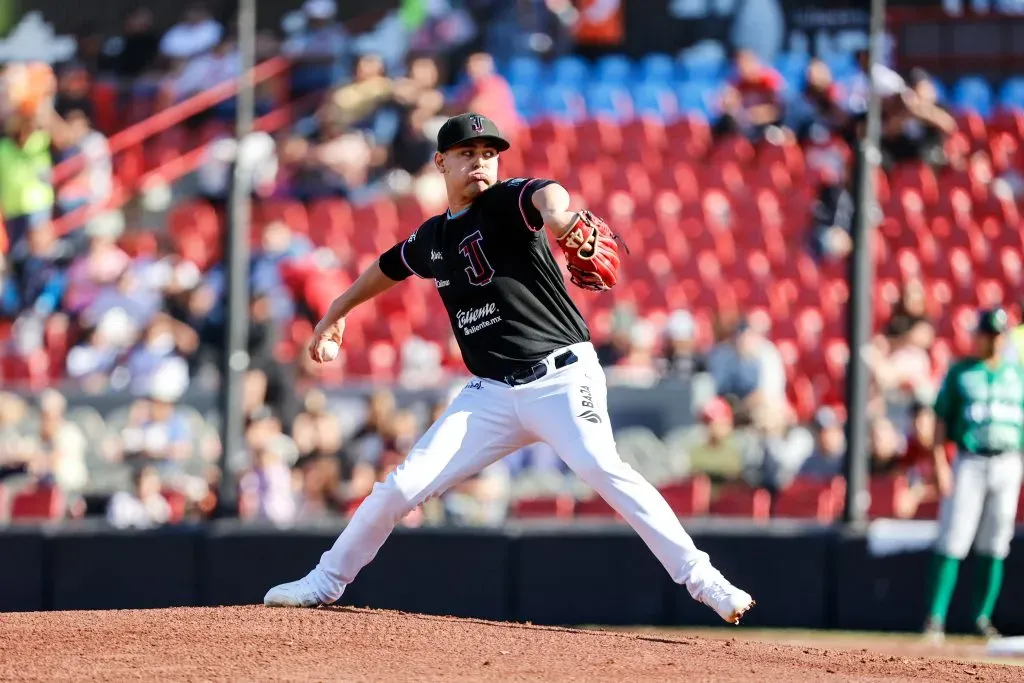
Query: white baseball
(328, 350)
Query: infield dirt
(346, 644)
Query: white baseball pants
(982, 509)
(567, 409)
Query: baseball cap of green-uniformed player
(992, 321)
(469, 127)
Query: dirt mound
(256, 643)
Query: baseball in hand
(327, 349)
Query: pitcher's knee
(997, 546)
(391, 498)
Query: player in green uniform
(980, 408)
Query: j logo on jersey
(588, 402)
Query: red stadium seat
(884, 493)
(690, 498)
(810, 499)
(38, 503)
(529, 508)
(738, 500)
(594, 507)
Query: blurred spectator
(358, 103)
(319, 50)
(918, 462)
(368, 443)
(133, 53)
(142, 508)
(481, 500)
(196, 34)
(99, 268)
(17, 448)
(682, 358)
(222, 63)
(826, 462)
(320, 494)
(751, 103)
(162, 345)
(832, 217)
(489, 94)
(619, 338)
(62, 444)
(638, 366)
(419, 100)
(92, 361)
(886, 446)
(157, 433)
(37, 268)
(718, 450)
(266, 491)
(26, 192)
(784, 446)
(820, 103)
(899, 361)
(317, 432)
(919, 129)
(748, 370)
(395, 440)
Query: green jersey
(982, 407)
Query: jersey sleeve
(515, 197)
(411, 256)
(946, 403)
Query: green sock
(989, 582)
(944, 572)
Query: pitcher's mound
(257, 643)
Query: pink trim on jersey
(401, 252)
(523, 211)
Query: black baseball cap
(467, 127)
(992, 321)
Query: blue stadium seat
(704, 67)
(973, 93)
(941, 95)
(1011, 95)
(694, 97)
(609, 102)
(841, 64)
(558, 102)
(614, 70)
(793, 69)
(526, 100)
(655, 101)
(571, 71)
(657, 68)
(524, 71)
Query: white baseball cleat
(299, 593)
(727, 600)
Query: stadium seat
(655, 101)
(613, 70)
(38, 503)
(609, 102)
(810, 499)
(690, 498)
(594, 507)
(1011, 94)
(570, 71)
(973, 94)
(657, 69)
(524, 71)
(739, 500)
(550, 506)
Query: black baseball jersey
(493, 267)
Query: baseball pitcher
(980, 408)
(536, 374)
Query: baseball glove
(592, 252)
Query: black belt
(987, 452)
(538, 370)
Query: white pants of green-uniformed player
(981, 511)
